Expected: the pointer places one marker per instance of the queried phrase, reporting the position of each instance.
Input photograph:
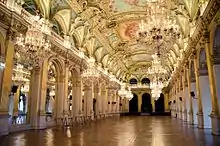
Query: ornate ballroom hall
(109, 72)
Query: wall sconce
(193, 95)
(120, 104)
(83, 101)
(169, 102)
(174, 101)
(109, 102)
(180, 98)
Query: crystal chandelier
(123, 92)
(91, 72)
(20, 76)
(129, 94)
(34, 46)
(156, 87)
(158, 25)
(156, 67)
(157, 71)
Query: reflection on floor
(126, 131)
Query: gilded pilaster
(103, 99)
(184, 96)
(191, 119)
(76, 94)
(213, 89)
(88, 97)
(65, 99)
(198, 92)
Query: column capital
(62, 78)
(186, 65)
(206, 36)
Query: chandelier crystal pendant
(34, 46)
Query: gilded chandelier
(34, 46)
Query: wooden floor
(124, 131)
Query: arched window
(133, 81)
(145, 81)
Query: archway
(54, 101)
(133, 104)
(133, 81)
(145, 81)
(146, 106)
(159, 104)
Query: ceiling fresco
(128, 30)
(119, 6)
(122, 35)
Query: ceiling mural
(119, 6)
(123, 35)
(128, 30)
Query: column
(153, 103)
(117, 102)
(183, 96)
(215, 118)
(98, 100)
(198, 95)
(65, 99)
(179, 103)
(80, 103)
(139, 102)
(103, 99)
(106, 101)
(110, 97)
(191, 119)
(88, 97)
(16, 101)
(175, 101)
(6, 84)
(76, 96)
(166, 101)
(37, 105)
(59, 98)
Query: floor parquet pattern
(124, 131)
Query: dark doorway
(159, 104)
(94, 106)
(133, 104)
(146, 106)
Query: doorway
(146, 106)
(159, 104)
(133, 104)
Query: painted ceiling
(107, 30)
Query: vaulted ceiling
(107, 30)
